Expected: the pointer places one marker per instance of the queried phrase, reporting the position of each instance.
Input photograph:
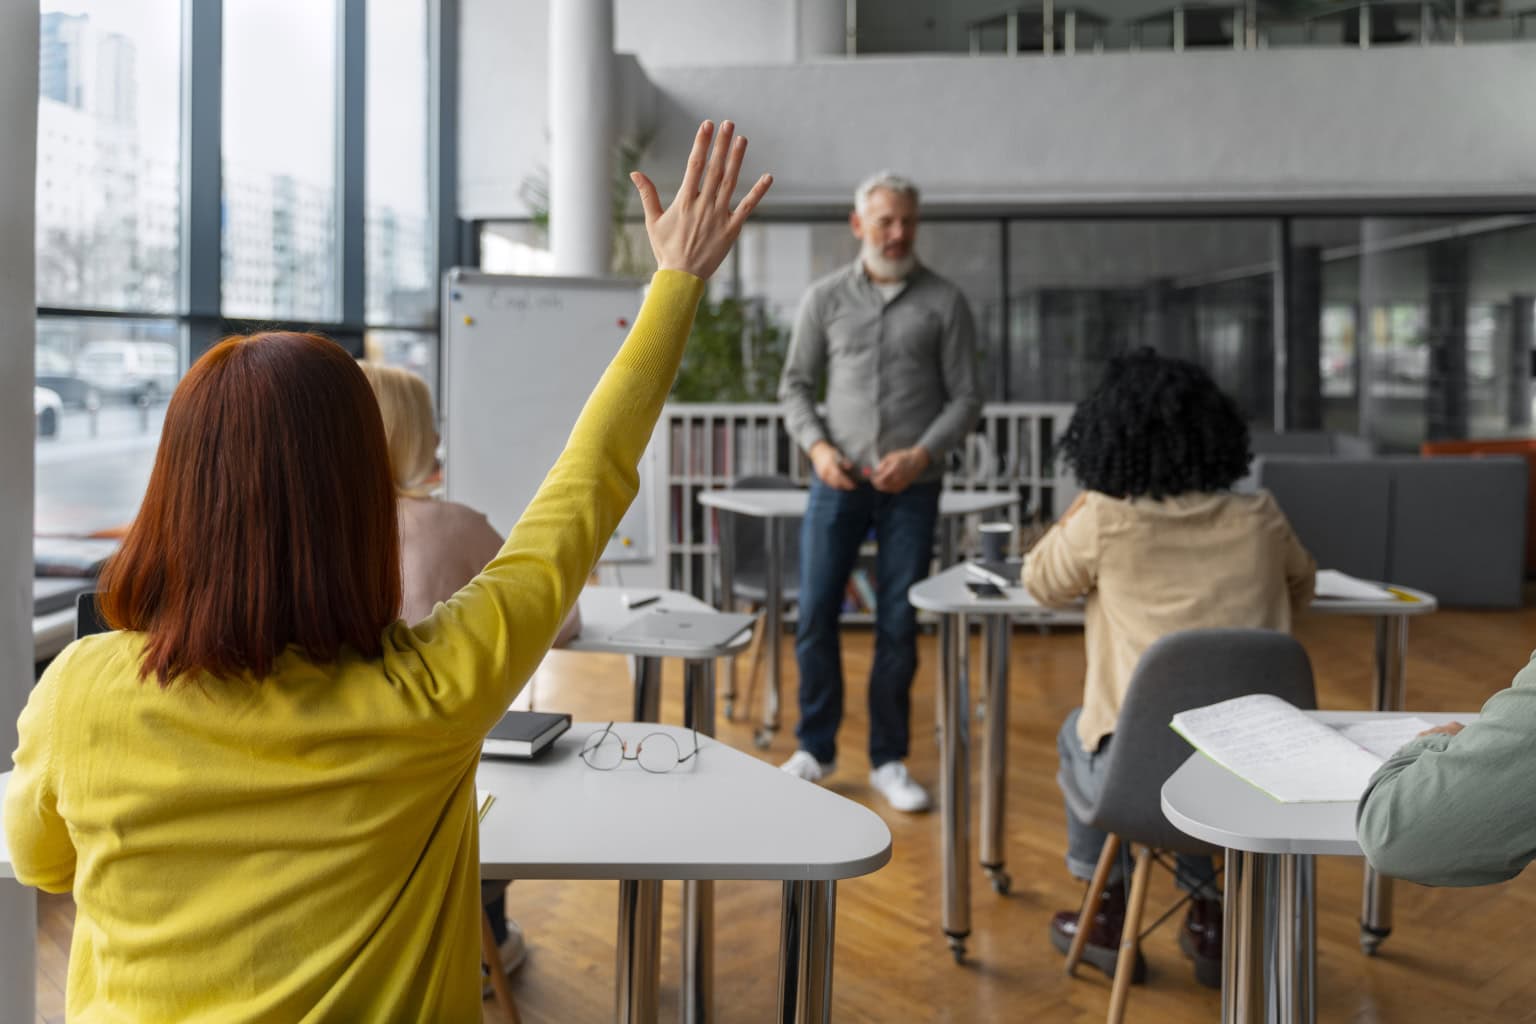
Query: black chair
(743, 540)
(1183, 670)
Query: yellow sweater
(304, 848)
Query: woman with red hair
(260, 788)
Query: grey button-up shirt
(898, 373)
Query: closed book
(523, 734)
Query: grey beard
(891, 270)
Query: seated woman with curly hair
(1157, 542)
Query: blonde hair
(410, 428)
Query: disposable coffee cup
(995, 541)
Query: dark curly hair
(1156, 427)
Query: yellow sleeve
(475, 652)
(1064, 564)
(41, 851)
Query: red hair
(269, 519)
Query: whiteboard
(520, 356)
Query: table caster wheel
(957, 948)
(1372, 938)
(763, 738)
(1002, 882)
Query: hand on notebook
(1448, 729)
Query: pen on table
(640, 602)
(988, 575)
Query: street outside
(87, 483)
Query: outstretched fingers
(650, 202)
(733, 159)
(718, 158)
(749, 202)
(697, 158)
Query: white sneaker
(514, 950)
(900, 790)
(803, 765)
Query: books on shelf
(523, 734)
(1285, 752)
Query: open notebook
(1290, 755)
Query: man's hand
(1448, 729)
(698, 229)
(831, 466)
(899, 468)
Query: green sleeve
(1456, 810)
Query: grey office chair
(748, 552)
(1183, 670)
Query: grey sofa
(1454, 527)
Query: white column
(18, 157)
(581, 129)
(821, 28)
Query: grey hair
(886, 180)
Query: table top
(604, 613)
(1208, 802)
(945, 592)
(790, 504)
(723, 815)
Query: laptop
(685, 629)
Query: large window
(400, 286)
(108, 137)
(143, 262)
(99, 401)
(280, 258)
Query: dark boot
(1200, 939)
(1103, 946)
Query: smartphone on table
(981, 588)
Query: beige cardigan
(1148, 568)
(444, 545)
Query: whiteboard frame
(638, 523)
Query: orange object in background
(1525, 447)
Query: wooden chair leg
(499, 983)
(1130, 936)
(1091, 900)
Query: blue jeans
(1084, 842)
(836, 523)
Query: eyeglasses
(657, 752)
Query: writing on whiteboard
(525, 301)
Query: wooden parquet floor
(1456, 955)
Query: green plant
(736, 351)
(735, 354)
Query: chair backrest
(1186, 670)
(748, 538)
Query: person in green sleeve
(1453, 806)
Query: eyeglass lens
(658, 753)
(603, 751)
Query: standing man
(895, 344)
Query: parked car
(135, 370)
(56, 373)
(47, 411)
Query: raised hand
(699, 228)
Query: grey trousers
(1085, 843)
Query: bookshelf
(709, 446)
